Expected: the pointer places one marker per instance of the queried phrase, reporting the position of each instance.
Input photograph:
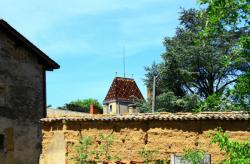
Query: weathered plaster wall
(114, 108)
(122, 108)
(56, 149)
(21, 82)
(165, 136)
(21, 142)
(117, 108)
(21, 99)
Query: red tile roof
(123, 89)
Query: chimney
(93, 109)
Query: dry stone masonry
(168, 133)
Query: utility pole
(153, 97)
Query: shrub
(101, 153)
(83, 152)
(193, 156)
(236, 152)
(146, 154)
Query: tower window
(110, 109)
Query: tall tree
(233, 16)
(194, 69)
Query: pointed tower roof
(124, 89)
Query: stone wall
(21, 142)
(166, 136)
(21, 102)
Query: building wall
(106, 108)
(114, 108)
(167, 137)
(117, 108)
(21, 101)
(123, 108)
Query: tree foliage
(236, 152)
(195, 69)
(232, 16)
(82, 105)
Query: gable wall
(21, 101)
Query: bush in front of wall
(101, 153)
(193, 156)
(147, 154)
(82, 149)
(236, 152)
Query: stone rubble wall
(168, 137)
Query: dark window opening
(110, 109)
(1, 141)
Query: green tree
(232, 16)
(82, 105)
(192, 71)
(198, 67)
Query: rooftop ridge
(127, 78)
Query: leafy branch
(236, 152)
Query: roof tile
(123, 89)
(158, 116)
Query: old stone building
(22, 96)
(121, 95)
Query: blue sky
(87, 37)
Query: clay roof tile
(159, 116)
(123, 89)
